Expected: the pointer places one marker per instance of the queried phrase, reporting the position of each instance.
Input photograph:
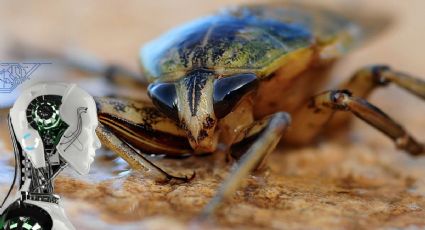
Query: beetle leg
(126, 125)
(368, 78)
(83, 63)
(308, 121)
(91, 66)
(270, 131)
(365, 80)
(136, 160)
(342, 100)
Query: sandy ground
(358, 181)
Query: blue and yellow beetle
(233, 81)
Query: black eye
(164, 97)
(229, 90)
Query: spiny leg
(136, 160)
(308, 121)
(265, 143)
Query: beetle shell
(254, 39)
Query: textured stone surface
(353, 181)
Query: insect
(232, 83)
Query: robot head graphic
(56, 116)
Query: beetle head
(199, 100)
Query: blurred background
(113, 31)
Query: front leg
(136, 160)
(269, 131)
(128, 125)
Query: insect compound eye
(164, 97)
(228, 91)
